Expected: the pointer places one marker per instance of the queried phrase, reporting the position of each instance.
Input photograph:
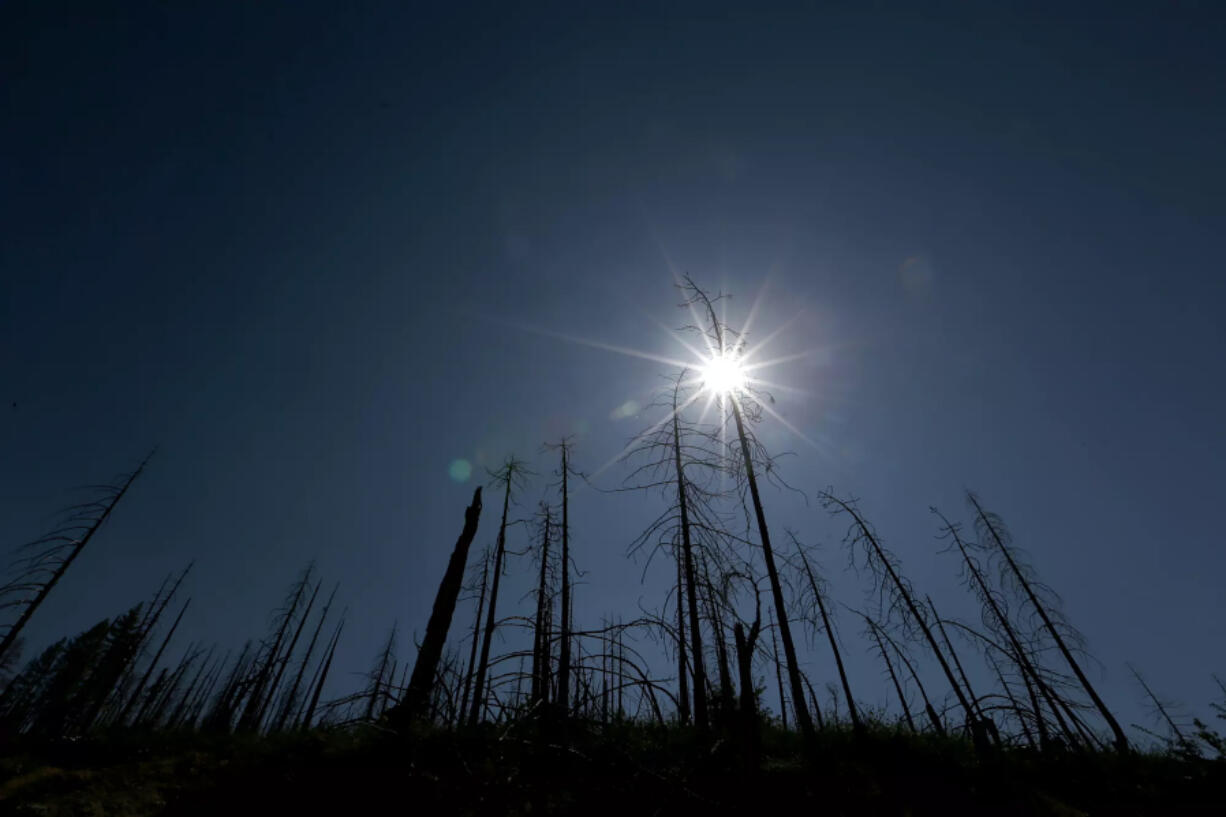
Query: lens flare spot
(460, 470)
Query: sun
(723, 374)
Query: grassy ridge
(628, 768)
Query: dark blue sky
(294, 244)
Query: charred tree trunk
(1121, 740)
(123, 715)
(291, 696)
(745, 645)
(76, 546)
(687, 565)
(889, 667)
(683, 687)
(476, 643)
(323, 676)
(563, 698)
(541, 636)
(491, 620)
(422, 680)
(856, 725)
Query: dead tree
(290, 701)
(43, 562)
(541, 655)
(156, 657)
(422, 680)
(476, 636)
(682, 460)
(742, 404)
(322, 676)
(819, 601)
(991, 527)
(563, 697)
(509, 476)
(880, 634)
(896, 598)
(253, 713)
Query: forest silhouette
(509, 705)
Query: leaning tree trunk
(905, 594)
(77, 547)
(1121, 740)
(856, 725)
(768, 555)
(422, 680)
(157, 657)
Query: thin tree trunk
(701, 717)
(1121, 740)
(541, 637)
(289, 652)
(24, 618)
(783, 704)
(683, 687)
(564, 649)
(916, 615)
(856, 725)
(323, 676)
(491, 620)
(123, 715)
(291, 697)
(966, 682)
(902, 699)
(768, 555)
(476, 637)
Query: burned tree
(422, 680)
(1017, 574)
(743, 405)
(510, 476)
(42, 563)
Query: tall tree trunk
(422, 680)
(1121, 740)
(289, 652)
(323, 676)
(541, 638)
(889, 667)
(916, 614)
(563, 698)
(783, 704)
(291, 696)
(856, 725)
(491, 620)
(15, 630)
(253, 712)
(683, 686)
(123, 715)
(949, 645)
(701, 717)
(1019, 654)
(768, 556)
(476, 638)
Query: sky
(318, 253)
